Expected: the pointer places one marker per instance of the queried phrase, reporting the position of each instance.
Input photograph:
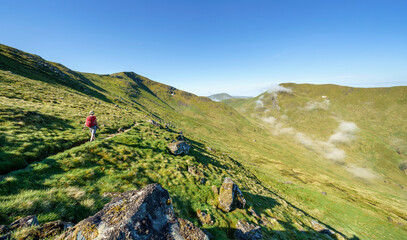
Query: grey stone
(179, 147)
(24, 222)
(230, 196)
(146, 213)
(247, 231)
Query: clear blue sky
(239, 47)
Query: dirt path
(125, 130)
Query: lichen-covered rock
(179, 147)
(53, 229)
(24, 222)
(204, 218)
(247, 231)
(191, 232)
(230, 196)
(146, 213)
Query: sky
(241, 47)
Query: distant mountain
(223, 96)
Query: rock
(52, 229)
(180, 137)
(24, 222)
(146, 213)
(230, 196)
(324, 193)
(247, 231)
(111, 194)
(178, 148)
(210, 149)
(194, 171)
(190, 232)
(154, 123)
(204, 218)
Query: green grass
(41, 118)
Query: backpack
(90, 121)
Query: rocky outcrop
(24, 222)
(146, 213)
(179, 147)
(247, 231)
(230, 196)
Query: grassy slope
(139, 157)
(379, 147)
(43, 114)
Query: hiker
(92, 124)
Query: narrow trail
(75, 145)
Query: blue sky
(205, 47)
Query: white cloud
(361, 172)
(345, 133)
(279, 89)
(313, 105)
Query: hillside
(50, 170)
(358, 138)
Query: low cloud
(345, 133)
(361, 172)
(279, 89)
(259, 102)
(314, 105)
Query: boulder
(24, 222)
(204, 218)
(179, 147)
(146, 213)
(190, 232)
(247, 231)
(230, 196)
